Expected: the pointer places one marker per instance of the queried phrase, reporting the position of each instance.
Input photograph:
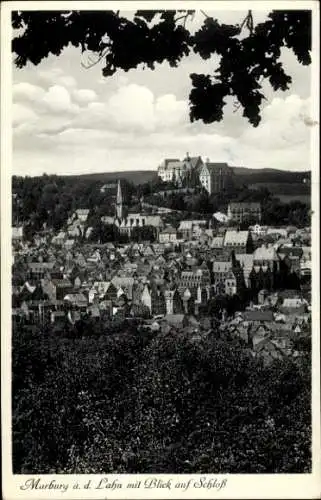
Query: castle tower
(119, 203)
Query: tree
(144, 233)
(248, 54)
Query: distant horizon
(78, 174)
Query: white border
(238, 485)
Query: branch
(185, 17)
(237, 106)
(204, 14)
(102, 55)
(248, 21)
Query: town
(152, 265)
(163, 198)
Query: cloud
(84, 96)
(169, 111)
(54, 75)
(22, 114)
(132, 106)
(282, 124)
(57, 100)
(97, 133)
(25, 91)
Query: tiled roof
(82, 211)
(236, 237)
(76, 298)
(40, 265)
(215, 168)
(61, 283)
(217, 242)
(258, 316)
(169, 230)
(244, 205)
(265, 253)
(221, 267)
(245, 260)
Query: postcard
(159, 227)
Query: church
(126, 223)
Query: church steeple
(119, 202)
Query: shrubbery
(134, 402)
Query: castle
(214, 177)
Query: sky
(71, 120)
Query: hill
(243, 176)
(269, 175)
(135, 176)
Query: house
(126, 283)
(292, 256)
(188, 301)
(245, 262)
(280, 232)
(95, 257)
(293, 306)
(77, 282)
(158, 302)
(60, 287)
(82, 214)
(217, 242)
(148, 251)
(192, 279)
(59, 239)
(168, 235)
(38, 270)
(190, 228)
(146, 298)
(266, 257)
(215, 177)
(58, 317)
(231, 283)
(74, 230)
(258, 316)
(258, 230)
(243, 211)
(173, 300)
(221, 217)
(99, 290)
(69, 244)
(111, 188)
(77, 300)
(80, 260)
(220, 272)
(238, 241)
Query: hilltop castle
(212, 176)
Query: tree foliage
(248, 54)
(124, 400)
(50, 200)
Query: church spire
(119, 202)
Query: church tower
(119, 203)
